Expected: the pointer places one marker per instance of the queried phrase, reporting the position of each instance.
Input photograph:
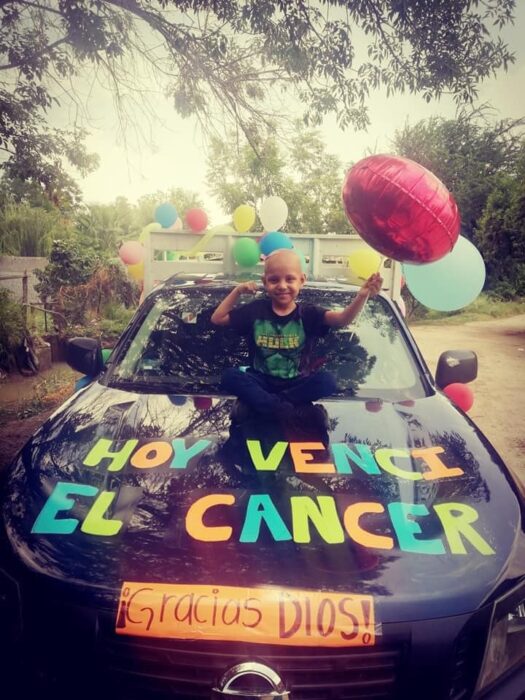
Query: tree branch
(36, 5)
(42, 52)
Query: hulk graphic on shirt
(279, 347)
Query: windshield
(176, 349)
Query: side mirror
(85, 356)
(456, 366)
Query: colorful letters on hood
(307, 517)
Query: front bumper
(62, 640)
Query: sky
(178, 156)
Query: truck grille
(187, 670)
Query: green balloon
(246, 252)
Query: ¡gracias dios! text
(268, 615)
(308, 513)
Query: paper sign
(257, 615)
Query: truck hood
(407, 502)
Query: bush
(485, 307)
(79, 286)
(12, 327)
(108, 328)
(109, 284)
(68, 266)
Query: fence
(13, 271)
(17, 275)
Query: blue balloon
(165, 215)
(273, 240)
(450, 283)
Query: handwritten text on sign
(228, 613)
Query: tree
(223, 61)
(29, 230)
(501, 234)
(304, 175)
(483, 165)
(100, 227)
(144, 212)
(469, 154)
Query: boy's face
(283, 279)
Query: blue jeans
(269, 395)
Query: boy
(280, 334)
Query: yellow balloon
(364, 262)
(243, 218)
(136, 272)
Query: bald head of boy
(283, 258)
(283, 278)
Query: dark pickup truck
(155, 546)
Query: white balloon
(177, 226)
(273, 213)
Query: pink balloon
(196, 219)
(131, 252)
(401, 209)
(460, 394)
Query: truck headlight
(505, 648)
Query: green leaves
(301, 172)
(225, 62)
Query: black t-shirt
(279, 345)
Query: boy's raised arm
(339, 319)
(221, 315)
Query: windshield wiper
(139, 384)
(155, 385)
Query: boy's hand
(246, 288)
(221, 315)
(372, 286)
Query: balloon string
(356, 321)
(358, 318)
(192, 252)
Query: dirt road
(499, 391)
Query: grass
(484, 308)
(36, 394)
